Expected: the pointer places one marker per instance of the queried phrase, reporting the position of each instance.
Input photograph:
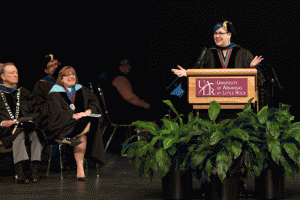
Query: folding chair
(60, 159)
(108, 122)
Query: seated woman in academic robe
(70, 106)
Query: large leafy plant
(224, 147)
(279, 138)
(166, 147)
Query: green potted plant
(222, 155)
(201, 145)
(279, 147)
(164, 150)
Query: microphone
(201, 55)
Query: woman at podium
(225, 54)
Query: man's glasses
(55, 64)
(216, 34)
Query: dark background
(154, 37)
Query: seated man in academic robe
(18, 123)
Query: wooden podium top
(220, 92)
(222, 72)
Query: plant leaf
(138, 163)
(295, 126)
(224, 122)
(151, 126)
(222, 164)
(168, 142)
(198, 158)
(149, 162)
(216, 137)
(168, 102)
(169, 124)
(262, 115)
(190, 116)
(154, 140)
(163, 161)
(254, 147)
(239, 133)
(273, 127)
(255, 139)
(172, 151)
(214, 110)
(205, 123)
(248, 104)
(165, 132)
(208, 167)
(275, 150)
(236, 148)
(130, 152)
(292, 151)
(296, 134)
(287, 168)
(186, 138)
(141, 150)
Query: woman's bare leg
(79, 152)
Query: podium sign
(231, 88)
(221, 87)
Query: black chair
(107, 122)
(60, 158)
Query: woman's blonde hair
(67, 70)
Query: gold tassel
(51, 56)
(225, 25)
(15, 128)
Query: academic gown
(60, 123)
(39, 93)
(25, 110)
(237, 57)
(41, 89)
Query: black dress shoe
(21, 180)
(81, 179)
(20, 176)
(34, 170)
(35, 180)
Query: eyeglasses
(216, 34)
(70, 75)
(55, 64)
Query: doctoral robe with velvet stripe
(239, 58)
(25, 110)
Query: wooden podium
(232, 87)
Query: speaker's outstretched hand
(179, 72)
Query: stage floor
(118, 180)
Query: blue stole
(51, 80)
(58, 88)
(10, 90)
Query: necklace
(72, 98)
(14, 118)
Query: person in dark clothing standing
(225, 54)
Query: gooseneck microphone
(201, 55)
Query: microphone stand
(272, 77)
